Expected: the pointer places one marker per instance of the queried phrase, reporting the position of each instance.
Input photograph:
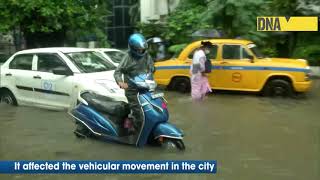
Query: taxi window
(48, 62)
(212, 54)
(22, 62)
(234, 52)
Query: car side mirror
(62, 71)
(251, 58)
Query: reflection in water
(252, 137)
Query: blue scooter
(103, 117)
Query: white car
(53, 77)
(113, 55)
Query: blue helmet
(137, 45)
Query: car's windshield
(90, 62)
(256, 51)
(116, 56)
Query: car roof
(227, 41)
(106, 49)
(54, 49)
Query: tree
(45, 23)
(235, 17)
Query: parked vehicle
(112, 55)
(106, 118)
(53, 77)
(238, 65)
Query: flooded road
(251, 137)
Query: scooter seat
(107, 105)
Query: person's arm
(120, 70)
(202, 61)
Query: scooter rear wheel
(173, 144)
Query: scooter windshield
(144, 81)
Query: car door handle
(8, 74)
(36, 77)
(224, 62)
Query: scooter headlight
(142, 84)
(307, 73)
(151, 85)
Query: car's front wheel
(278, 87)
(7, 97)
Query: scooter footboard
(167, 130)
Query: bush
(310, 53)
(269, 51)
(176, 49)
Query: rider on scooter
(137, 61)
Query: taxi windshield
(90, 62)
(256, 51)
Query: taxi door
(235, 71)
(212, 77)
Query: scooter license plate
(157, 95)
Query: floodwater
(251, 137)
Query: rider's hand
(123, 85)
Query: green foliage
(183, 22)
(237, 18)
(151, 29)
(177, 48)
(269, 51)
(179, 25)
(310, 53)
(43, 16)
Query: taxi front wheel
(278, 87)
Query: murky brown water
(251, 138)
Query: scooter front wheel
(173, 144)
(82, 131)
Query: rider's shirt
(130, 67)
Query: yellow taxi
(237, 65)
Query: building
(121, 25)
(156, 9)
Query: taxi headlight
(307, 73)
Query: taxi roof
(226, 41)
